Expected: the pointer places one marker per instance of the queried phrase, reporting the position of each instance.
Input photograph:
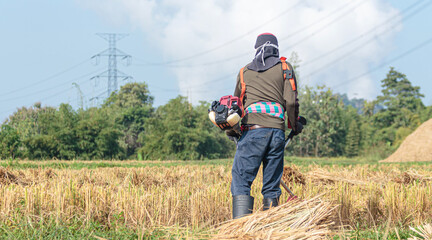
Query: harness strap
(243, 90)
(288, 73)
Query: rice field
(181, 200)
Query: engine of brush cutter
(226, 113)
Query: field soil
(417, 147)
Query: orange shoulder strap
(243, 89)
(287, 71)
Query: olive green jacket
(269, 86)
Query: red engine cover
(230, 100)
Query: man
(266, 98)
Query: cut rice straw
(298, 219)
(424, 231)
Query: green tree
(353, 139)
(64, 131)
(325, 133)
(9, 142)
(41, 147)
(213, 142)
(180, 131)
(131, 108)
(98, 135)
(400, 99)
(402, 108)
(30, 123)
(172, 132)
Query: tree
(171, 132)
(402, 108)
(400, 99)
(131, 108)
(9, 142)
(295, 61)
(180, 131)
(325, 133)
(98, 135)
(353, 139)
(29, 123)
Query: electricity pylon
(112, 53)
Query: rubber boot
(270, 202)
(242, 205)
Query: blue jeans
(264, 145)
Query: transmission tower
(113, 74)
(81, 95)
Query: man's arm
(237, 90)
(232, 135)
(291, 101)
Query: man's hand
(299, 129)
(232, 135)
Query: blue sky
(195, 48)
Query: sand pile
(416, 147)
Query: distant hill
(357, 103)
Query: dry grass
(371, 198)
(416, 147)
(424, 231)
(199, 197)
(309, 219)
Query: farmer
(267, 96)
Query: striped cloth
(271, 108)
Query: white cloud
(185, 28)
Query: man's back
(268, 87)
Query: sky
(196, 48)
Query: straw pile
(360, 178)
(291, 174)
(416, 147)
(7, 177)
(325, 177)
(411, 176)
(424, 231)
(307, 219)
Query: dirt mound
(416, 147)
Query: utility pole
(113, 74)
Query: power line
(369, 41)
(53, 95)
(364, 34)
(45, 79)
(290, 34)
(230, 41)
(411, 50)
(302, 29)
(50, 88)
(349, 11)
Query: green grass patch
(76, 229)
(381, 233)
(56, 164)
(303, 162)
